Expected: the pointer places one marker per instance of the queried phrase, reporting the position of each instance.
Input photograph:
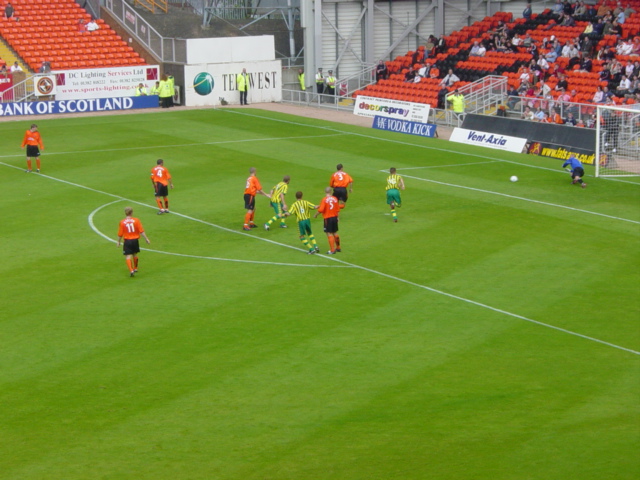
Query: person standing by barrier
(319, 82)
(458, 103)
(330, 82)
(166, 95)
(301, 79)
(242, 81)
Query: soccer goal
(617, 142)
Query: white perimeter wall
(230, 49)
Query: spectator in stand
(543, 66)
(603, 9)
(607, 94)
(423, 72)
(567, 21)
(573, 61)
(562, 84)
(591, 121)
(516, 41)
(527, 114)
(580, 123)
(92, 26)
(580, 11)
(540, 115)
(566, 49)
(564, 97)
(430, 45)
(8, 11)
(628, 70)
(441, 46)
(410, 75)
(45, 67)
(635, 48)
(621, 18)
(635, 87)
(598, 97)
(82, 27)
(475, 50)
(586, 65)
(513, 98)
(558, 8)
(570, 120)
(555, 117)
(527, 12)
(381, 71)
(623, 86)
(616, 29)
(551, 56)
(624, 48)
(567, 7)
(15, 67)
(527, 41)
(449, 79)
(629, 10)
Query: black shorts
(577, 172)
(249, 201)
(341, 194)
(162, 190)
(331, 225)
(33, 151)
(131, 247)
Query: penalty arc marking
(201, 257)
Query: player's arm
(145, 237)
(284, 204)
(401, 183)
(262, 192)
(170, 179)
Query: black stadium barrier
(544, 139)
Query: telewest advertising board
(95, 83)
(215, 84)
(396, 109)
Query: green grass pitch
(492, 333)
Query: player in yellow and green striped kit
(277, 202)
(394, 185)
(302, 210)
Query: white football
(514, 178)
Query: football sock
(159, 202)
(337, 237)
(272, 219)
(28, 164)
(247, 218)
(252, 215)
(38, 163)
(166, 203)
(393, 213)
(304, 241)
(312, 239)
(129, 265)
(135, 263)
(332, 243)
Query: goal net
(617, 142)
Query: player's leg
(28, 165)
(277, 214)
(249, 205)
(38, 164)
(135, 263)
(158, 197)
(311, 237)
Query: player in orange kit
(32, 140)
(329, 208)
(161, 179)
(251, 189)
(340, 181)
(130, 230)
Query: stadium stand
(519, 61)
(50, 31)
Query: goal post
(617, 141)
